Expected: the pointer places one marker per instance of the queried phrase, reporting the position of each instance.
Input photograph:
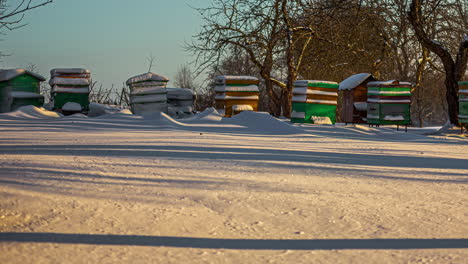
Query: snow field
(249, 189)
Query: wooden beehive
(19, 87)
(353, 101)
(463, 102)
(388, 103)
(70, 85)
(235, 94)
(314, 101)
(148, 93)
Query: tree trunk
(454, 70)
(452, 96)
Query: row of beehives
(316, 101)
(365, 100)
(70, 88)
(149, 94)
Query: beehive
(388, 103)
(148, 93)
(19, 87)
(70, 85)
(314, 101)
(235, 94)
(180, 101)
(463, 102)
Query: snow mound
(263, 122)
(71, 106)
(321, 120)
(208, 115)
(96, 109)
(77, 115)
(32, 112)
(161, 118)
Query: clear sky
(112, 38)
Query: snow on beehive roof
(69, 70)
(8, 74)
(307, 82)
(232, 77)
(246, 88)
(390, 82)
(70, 81)
(180, 91)
(149, 76)
(354, 81)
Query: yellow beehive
(235, 94)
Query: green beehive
(463, 102)
(388, 103)
(19, 87)
(314, 102)
(70, 85)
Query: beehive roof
(8, 74)
(149, 76)
(354, 81)
(69, 70)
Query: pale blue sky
(112, 38)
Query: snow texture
(301, 83)
(242, 107)
(227, 97)
(386, 83)
(25, 95)
(149, 108)
(321, 120)
(54, 72)
(389, 92)
(223, 78)
(305, 90)
(383, 101)
(122, 188)
(246, 88)
(299, 98)
(8, 74)
(30, 112)
(65, 89)
(221, 111)
(148, 98)
(149, 90)
(96, 109)
(360, 106)
(295, 114)
(148, 84)
(180, 93)
(354, 81)
(394, 118)
(69, 81)
(311, 101)
(72, 107)
(145, 77)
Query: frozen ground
(120, 188)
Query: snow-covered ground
(120, 188)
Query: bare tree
(184, 78)
(11, 15)
(151, 58)
(454, 67)
(267, 31)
